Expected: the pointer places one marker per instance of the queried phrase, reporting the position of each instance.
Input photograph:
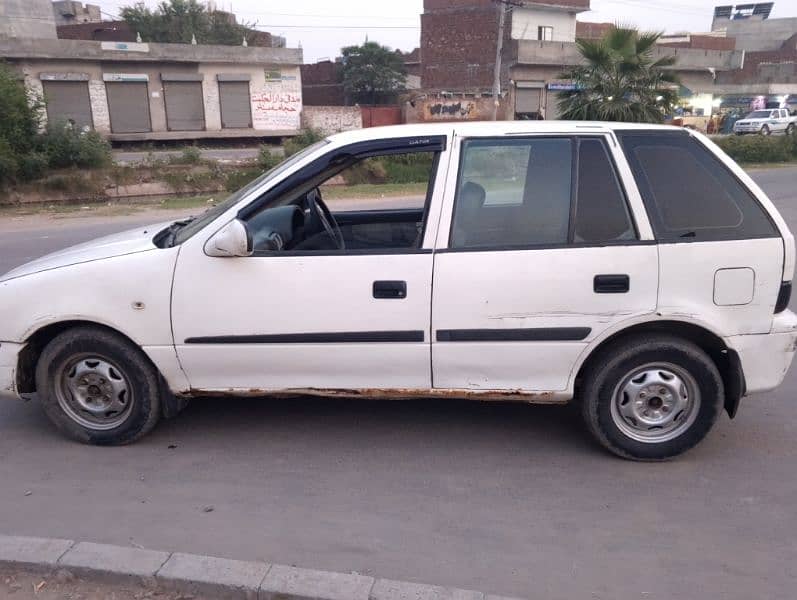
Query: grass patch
(369, 190)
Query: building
(138, 91)
(27, 18)
(751, 27)
(67, 12)
(459, 44)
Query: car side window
(689, 194)
(515, 193)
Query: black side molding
(353, 337)
(545, 334)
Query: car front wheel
(765, 130)
(97, 387)
(790, 129)
(652, 397)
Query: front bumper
(766, 358)
(9, 354)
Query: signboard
(562, 86)
(277, 106)
(122, 77)
(125, 46)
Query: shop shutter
(128, 105)
(236, 111)
(68, 101)
(528, 100)
(185, 108)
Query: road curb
(214, 577)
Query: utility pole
(498, 56)
(503, 8)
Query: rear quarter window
(688, 193)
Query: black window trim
(347, 156)
(621, 133)
(576, 140)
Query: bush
(308, 137)
(267, 159)
(759, 149)
(66, 146)
(32, 166)
(235, 180)
(190, 155)
(8, 163)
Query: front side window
(516, 193)
(689, 194)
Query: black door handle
(612, 284)
(390, 290)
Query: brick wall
(755, 71)
(703, 42)
(332, 119)
(105, 31)
(322, 84)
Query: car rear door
(541, 250)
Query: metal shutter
(236, 111)
(185, 108)
(68, 101)
(128, 105)
(528, 100)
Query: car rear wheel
(97, 387)
(765, 130)
(652, 397)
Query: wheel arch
(725, 358)
(39, 338)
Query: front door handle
(612, 284)
(390, 290)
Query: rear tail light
(784, 297)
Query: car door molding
(344, 337)
(540, 334)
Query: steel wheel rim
(94, 392)
(655, 403)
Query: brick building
(459, 43)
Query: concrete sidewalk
(208, 576)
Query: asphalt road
(510, 499)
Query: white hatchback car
(636, 270)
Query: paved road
(511, 499)
(221, 154)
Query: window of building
(545, 33)
(689, 194)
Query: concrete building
(133, 92)
(27, 18)
(459, 43)
(751, 27)
(68, 12)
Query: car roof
(489, 128)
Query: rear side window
(689, 194)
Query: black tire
(766, 131)
(139, 378)
(790, 129)
(613, 367)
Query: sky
(322, 27)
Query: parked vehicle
(635, 270)
(766, 122)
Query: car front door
(316, 320)
(543, 255)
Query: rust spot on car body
(389, 394)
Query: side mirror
(234, 239)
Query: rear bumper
(767, 358)
(9, 354)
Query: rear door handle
(612, 284)
(390, 290)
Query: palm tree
(620, 80)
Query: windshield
(189, 228)
(760, 114)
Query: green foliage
(178, 21)
(373, 73)
(398, 169)
(9, 167)
(19, 112)
(267, 159)
(620, 80)
(191, 155)
(759, 149)
(67, 146)
(32, 166)
(237, 179)
(308, 137)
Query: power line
(277, 26)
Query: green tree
(620, 80)
(179, 21)
(373, 73)
(19, 112)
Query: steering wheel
(320, 213)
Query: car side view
(635, 270)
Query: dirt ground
(63, 585)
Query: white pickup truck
(767, 122)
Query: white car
(766, 122)
(635, 270)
